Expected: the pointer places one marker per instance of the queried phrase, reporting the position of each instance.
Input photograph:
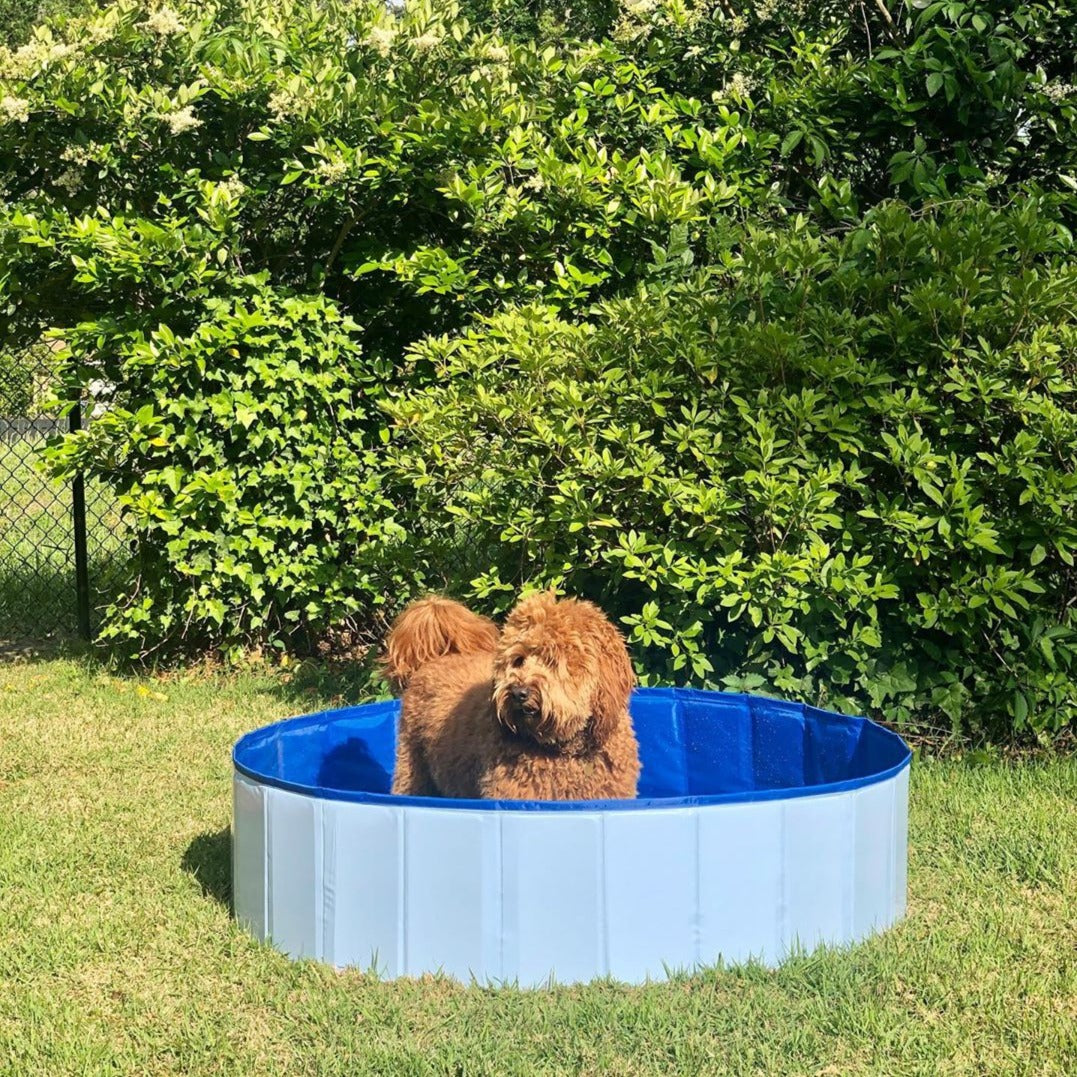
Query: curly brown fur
(541, 716)
(429, 629)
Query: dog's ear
(615, 680)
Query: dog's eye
(518, 661)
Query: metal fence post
(78, 517)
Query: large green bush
(248, 472)
(18, 17)
(405, 172)
(921, 99)
(667, 346)
(837, 468)
(415, 168)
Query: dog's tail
(428, 629)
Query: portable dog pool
(761, 827)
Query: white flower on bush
(426, 42)
(497, 53)
(182, 120)
(332, 171)
(280, 103)
(638, 19)
(234, 187)
(61, 50)
(80, 154)
(381, 39)
(164, 21)
(1059, 91)
(740, 84)
(103, 28)
(14, 108)
(71, 180)
(32, 57)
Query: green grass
(118, 954)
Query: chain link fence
(60, 544)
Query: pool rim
(354, 796)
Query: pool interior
(692, 744)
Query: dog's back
(432, 628)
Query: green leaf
(1020, 710)
(790, 142)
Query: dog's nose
(520, 692)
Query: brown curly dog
(540, 713)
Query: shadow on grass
(17, 648)
(209, 859)
(39, 606)
(314, 684)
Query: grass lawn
(118, 954)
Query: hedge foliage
(248, 472)
(835, 468)
(326, 253)
(18, 17)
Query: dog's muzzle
(524, 710)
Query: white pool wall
(531, 897)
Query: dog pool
(761, 828)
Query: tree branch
(891, 28)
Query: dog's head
(561, 671)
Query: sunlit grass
(118, 953)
